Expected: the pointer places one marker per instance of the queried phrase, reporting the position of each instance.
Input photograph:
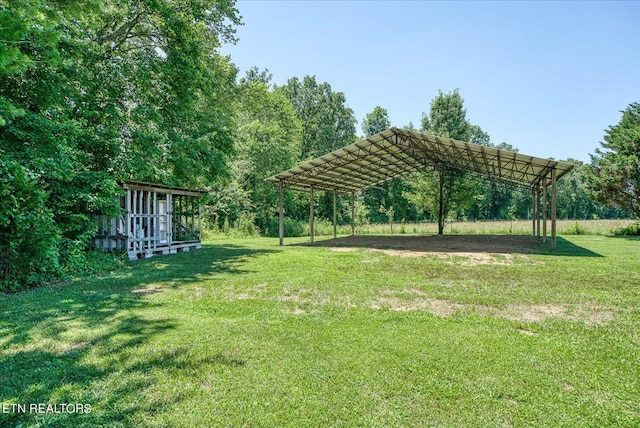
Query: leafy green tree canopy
(613, 177)
(376, 121)
(268, 141)
(92, 93)
(327, 122)
(447, 117)
(390, 194)
(446, 189)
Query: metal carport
(396, 152)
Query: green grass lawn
(247, 333)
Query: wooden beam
(538, 211)
(193, 217)
(353, 214)
(169, 213)
(544, 211)
(179, 218)
(199, 220)
(281, 216)
(335, 218)
(311, 225)
(147, 235)
(554, 191)
(127, 229)
(139, 185)
(533, 211)
(156, 220)
(136, 218)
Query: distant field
(516, 227)
(366, 331)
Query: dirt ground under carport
(443, 244)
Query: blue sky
(547, 77)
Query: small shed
(157, 219)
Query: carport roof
(397, 152)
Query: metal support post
(281, 216)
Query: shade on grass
(248, 333)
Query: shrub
(632, 230)
(29, 238)
(575, 229)
(292, 228)
(245, 225)
(102, 262)
(242, 227)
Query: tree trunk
(441, 203)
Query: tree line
(96, 93)
(314, 120)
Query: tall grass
(323, 227)
(506, 227)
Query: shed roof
(396, 152)
(161, 188)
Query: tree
(268, 142)
(92, 93)
(409, 127)
(478, 136)
(613, 177)
(442, 192)
(574, 200)
(376, 121)
(28, 235)
(447, 117)
(391, 193)
(40, 162)
(327, 123)
(495, 199)
(445, 189)
(377, 196)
